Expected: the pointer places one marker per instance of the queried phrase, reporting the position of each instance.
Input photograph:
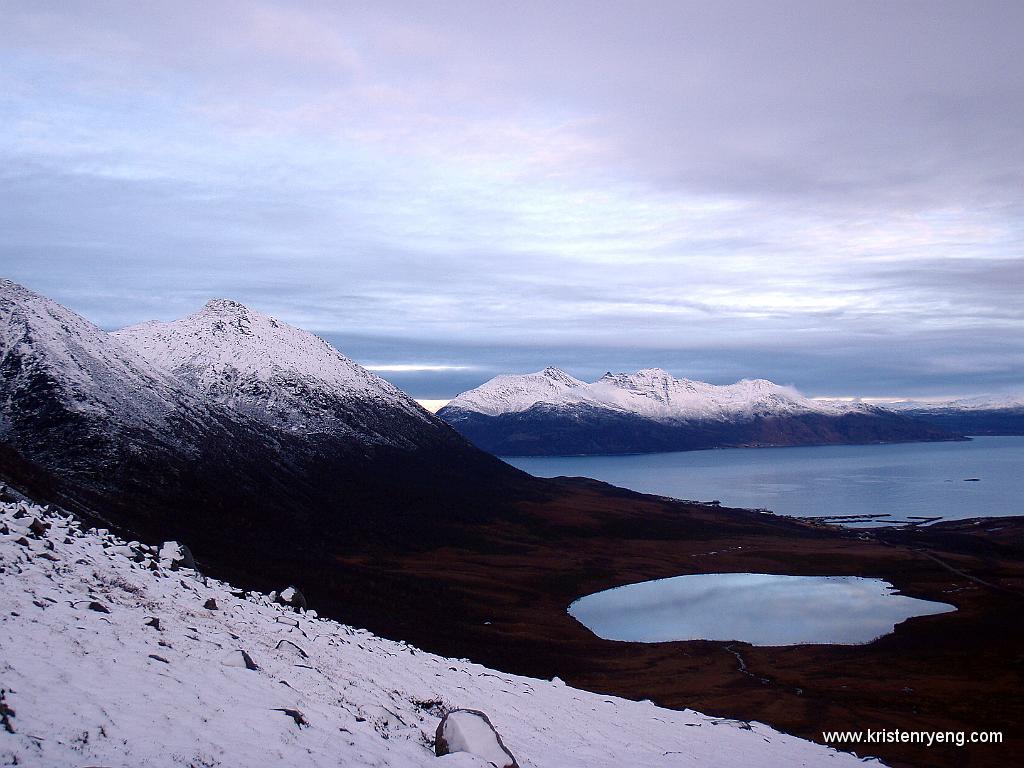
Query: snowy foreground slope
(90, 681)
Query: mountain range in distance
(552, 413)
(988, 415)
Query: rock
(292, 598)
(210, 605)
(98, 607)
(6, 713)
(175, 555)
(38, 527)
(239, 658)
(294, 714)
(290, 647)
(158, 658)
(467, 730)
(154, 622)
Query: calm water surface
(980, 478)
(757, 608)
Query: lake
(756, 608)
(982, 477)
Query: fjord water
(983, 477)
(756, 608)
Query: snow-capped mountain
(102, 640)
(652, 393)
(49, 351)
(229, 429)
(983, 415)
(279, 375)
(979, 403)
(73, 396)
(551, 412)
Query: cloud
(826, 195)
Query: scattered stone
(98, 607)
(292, 598)
(294, 714)
(23, 541)
(210, 605)
(239, 658)
(468, 730)
(154, 623)
(159, 658)
(38, 527)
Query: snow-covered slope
(89, 678)
(283, 376)
(651, 393)
(47, 351)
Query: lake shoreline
(907, 483)
(501, 597)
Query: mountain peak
(268, 369)
(650, 392)
(225, 307)
(227, 316)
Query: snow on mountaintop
(508, 393)
(109, 658)
(979, 403)
(651, 392)
(263, 367)
(45, 344)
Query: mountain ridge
(553, 413)
(151, 445)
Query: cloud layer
(824, 194)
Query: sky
(829, 195)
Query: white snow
(93, 373)
(652, 393)
(263, 367)
(107, 688)
(979, 403)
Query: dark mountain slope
(102, 427)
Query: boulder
(239, 658)
(467, 730)
(175, 555)
(291, 597)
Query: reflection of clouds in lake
(762, 609)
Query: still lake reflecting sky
(757, 608)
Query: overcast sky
(826, 194)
